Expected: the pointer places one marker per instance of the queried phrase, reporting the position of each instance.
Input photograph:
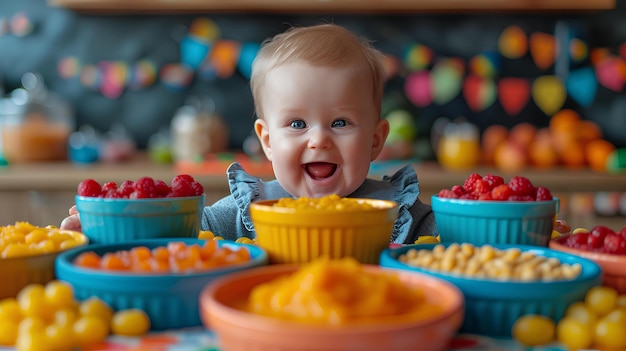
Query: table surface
(199, 339)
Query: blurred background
(538, 92)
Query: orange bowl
(222, 311)
(613, 272)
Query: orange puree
(337, 292)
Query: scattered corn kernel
(330, 202)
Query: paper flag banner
(247, 54)
(514, 94)
(176, 76)
(114, 75)
(391, 65)
(193, 50)
(485, 65)
(142, 74)
(21, 25)
(222, 60)
(549, 94)
(578, 50)
(90, 77)
(543, 49)
(204, 29)
(611, 73)
(599, 54)
(418, 88)
(512, 42)
(622, 50)
(446, 78)
(479, 92)
(582, 86)
(417, 57)
(68, 67)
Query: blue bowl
(493, 306)
(105, 220)
(170, 300)
(494, 222)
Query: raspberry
(485, 196)
(493, 180)
(109, 186)
(577, 240)
(89, 187)
(198, 189)
(447, 193)
(181, 186)
(470, 182)
(521, 198)
(458, 190)
(161, 189)
(501, 192)
(543, 194)
(126, 188)
(521, 186)
(146, 186)
(112, 194)
(480, 187)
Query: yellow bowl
(299, 235)
(17, 272)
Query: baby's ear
(263, 133)
(380, 135)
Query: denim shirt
(229, 217)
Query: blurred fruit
(597, 153)
(572, 155)
(533, 330)
(541, 152)
(492, 137)
(509, 157)
(523, 134)
(588, 131)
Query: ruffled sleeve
(246, 188)
(406, 190)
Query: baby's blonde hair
(324, 45)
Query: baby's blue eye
(339, 123)
(298, 124)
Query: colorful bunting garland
(429, 79)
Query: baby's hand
(72, 222)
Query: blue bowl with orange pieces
(492, 305)
(171, 299)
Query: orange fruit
(541, 152)
(588, 131)
(490, 139)
(523, 134)
(572, 155)
(564, 129)
(597, 152)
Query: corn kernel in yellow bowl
(303, 229)
(28, 253)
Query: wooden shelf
(319, 6)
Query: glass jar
(197, 130)
(459, 146)
(37, 125)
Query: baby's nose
(319, 139)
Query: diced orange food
(174, 257)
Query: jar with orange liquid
(459, 146)
(38, 127)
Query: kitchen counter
(41, 193)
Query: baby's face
(320, 128)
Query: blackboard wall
(59, 33)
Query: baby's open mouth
(320, 170)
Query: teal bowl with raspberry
(140, 209)
(489, 210)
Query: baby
(318, 92)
